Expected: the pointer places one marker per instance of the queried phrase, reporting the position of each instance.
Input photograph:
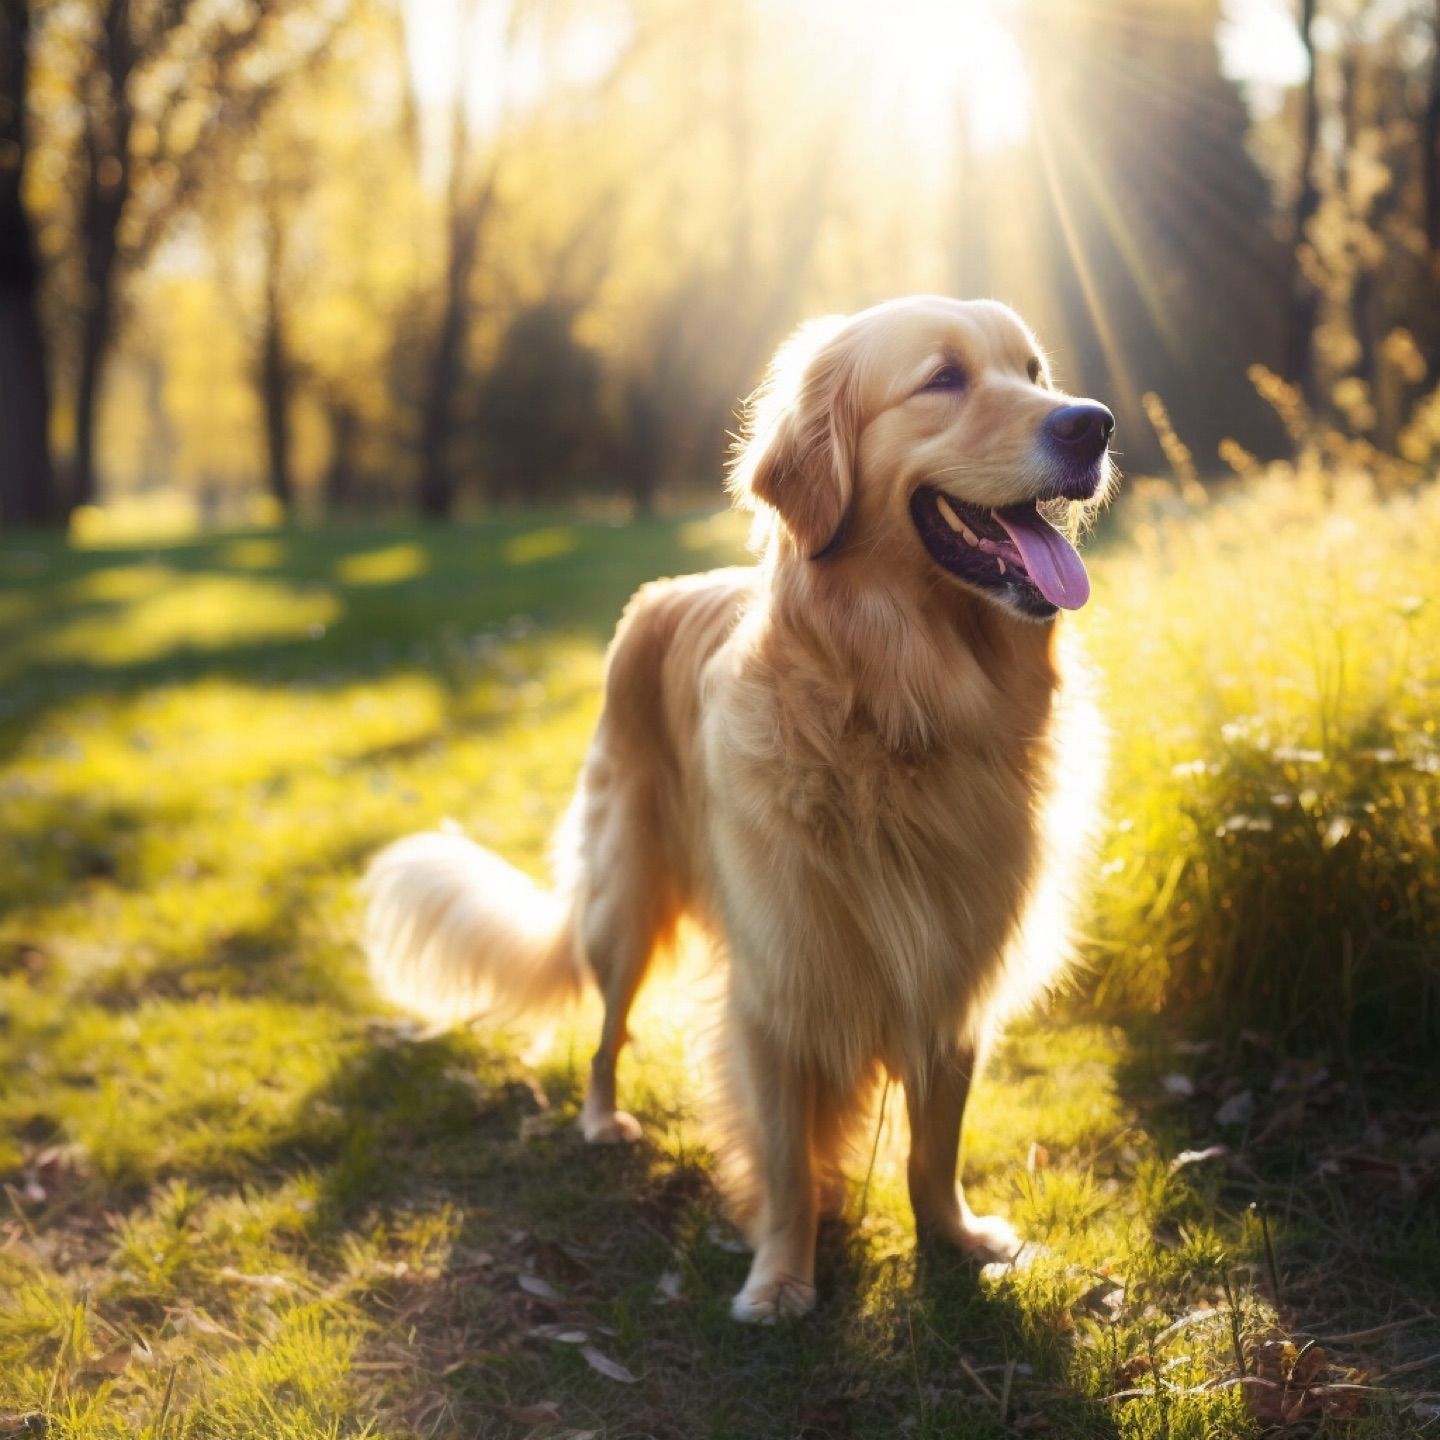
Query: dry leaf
(562, 1334)
(540, 1289)
(612, 1369)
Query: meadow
(243, 1199)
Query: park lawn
(242, 1199)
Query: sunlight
(503, 67)
(950, 68)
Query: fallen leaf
(611, 1369)
(540, 1289)
(667, 1289)
(1038, 1158)
(1182, 1087)
(562, 1334)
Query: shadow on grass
(629, 1246)
(52, 847)
(392, 596)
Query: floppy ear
(798, 453)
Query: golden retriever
(863, 767)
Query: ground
(243, 1199)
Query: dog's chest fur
(869, 891)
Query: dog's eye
(1034, 368)
(948, 377)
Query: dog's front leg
(936, 1102)
(780, 1095)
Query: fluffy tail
(452, 931)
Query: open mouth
(1013, 552)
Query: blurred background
(358, 360)
(333, 256)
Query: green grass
(242, 1200)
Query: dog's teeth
(955, 522)
(1000, 563)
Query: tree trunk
(107, 188)
(96, 323)
(643, 449)
(437, 482)
(276, 374)
(27, 477)
(1304, 299)
(340, 488)
(1430, 141)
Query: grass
(242, 1200)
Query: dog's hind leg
(626, 910)
(936, 1102)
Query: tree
(27, 482)
(1430, 139)
(277, 368)
(469, 200)
(144, 148)
(540, 406)
(1163, 274)
(1304, 299)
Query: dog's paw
(763, 1302)
(613, 1127)
(988, 1238)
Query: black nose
(1082, 430)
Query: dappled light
(194, 1019)
(359, 361)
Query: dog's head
(926, 432)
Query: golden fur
(862, 778)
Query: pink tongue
(1049, 557)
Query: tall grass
(1272, 663)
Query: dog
(864, 767)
